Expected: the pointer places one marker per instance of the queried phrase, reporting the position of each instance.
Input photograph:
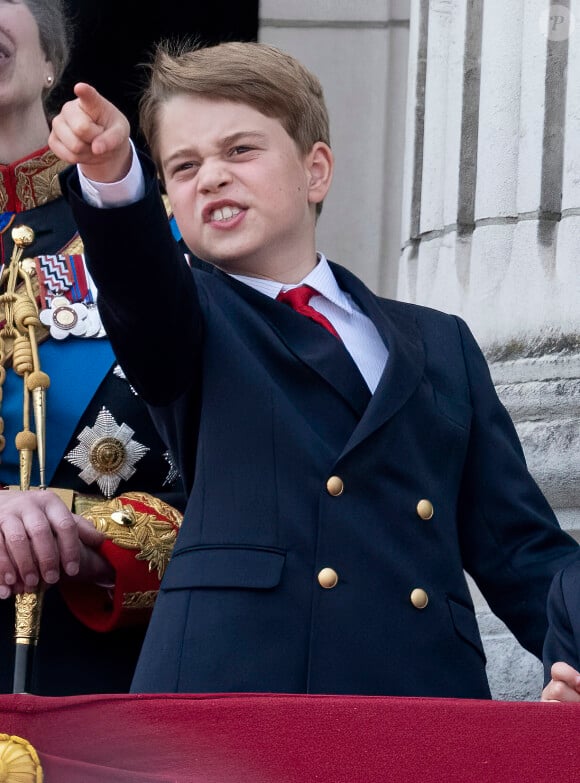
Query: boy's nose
(213, 176)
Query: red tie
(298, 299)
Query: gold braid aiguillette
(21, 323)
(18, 339)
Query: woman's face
(24, 70)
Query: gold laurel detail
(19, 762)
(37, 180)
(144, 600)
(3, 192)
(73, 248)
(130, 528)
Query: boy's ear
(320, 162)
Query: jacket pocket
(466, 626)
(225, 566)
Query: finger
(90, 100)
(7, 572)
(112, 139)
(65, 533)
(114, 126)
(8, 576)
(564, 672)
(9, 591)
(42, 534)
(20, 553)
(72, 133)
(556, 690)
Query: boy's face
(241, 191)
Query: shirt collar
(321, 278)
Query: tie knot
(297, 297)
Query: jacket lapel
(406, 362)
(311, 344)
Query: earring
(50, 80)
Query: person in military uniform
(100, 441)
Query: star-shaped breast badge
(106, 453)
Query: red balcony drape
(262, 738)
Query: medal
(106, 453)
(67, 297)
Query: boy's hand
(564, 685)
(93, 133)
(41, 539)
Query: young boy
(344, 468)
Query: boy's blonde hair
(256, 74)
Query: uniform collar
(31, 181)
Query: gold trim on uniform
(31, 182)
(74, 248)
(37, 180)
(139, 600)
(130, 528)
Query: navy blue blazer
(563, 637)
(260, 407)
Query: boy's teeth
(225, 213)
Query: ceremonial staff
(18, 338)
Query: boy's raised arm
(90, 131)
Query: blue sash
(76, 369)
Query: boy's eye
(240, 149)
(185, 166)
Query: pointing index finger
(90, 100)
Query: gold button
(328, 578)
(425, 509)
(335, 486)
(419, 598)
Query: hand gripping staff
(18, 341)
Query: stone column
(490, 230)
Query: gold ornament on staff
(18, 340)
